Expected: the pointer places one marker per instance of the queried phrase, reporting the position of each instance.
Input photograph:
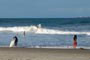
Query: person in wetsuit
(16, 40)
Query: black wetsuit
(16, 40)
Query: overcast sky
(44, 8)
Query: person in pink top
(75, 41)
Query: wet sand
(43, 54)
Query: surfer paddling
(14, 42)
(75, 41)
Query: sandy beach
(43, 54)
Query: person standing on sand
(14, 42)
(75, 41)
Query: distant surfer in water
(14, 42)
(75, 41)
(24, 33)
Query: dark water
(59, 23)
(52, 36)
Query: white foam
(19, 29)
(52, 31)
(40, 30)
(60, 47)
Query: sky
(44, 8)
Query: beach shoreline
(7, 53)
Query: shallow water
(43, 40)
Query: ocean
(45, 32)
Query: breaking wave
(39, 30)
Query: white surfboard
(12, 44)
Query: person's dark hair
(75, 37)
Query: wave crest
(39, 30)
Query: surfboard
(12, 44)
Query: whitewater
(34, 29)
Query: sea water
(45, 32)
